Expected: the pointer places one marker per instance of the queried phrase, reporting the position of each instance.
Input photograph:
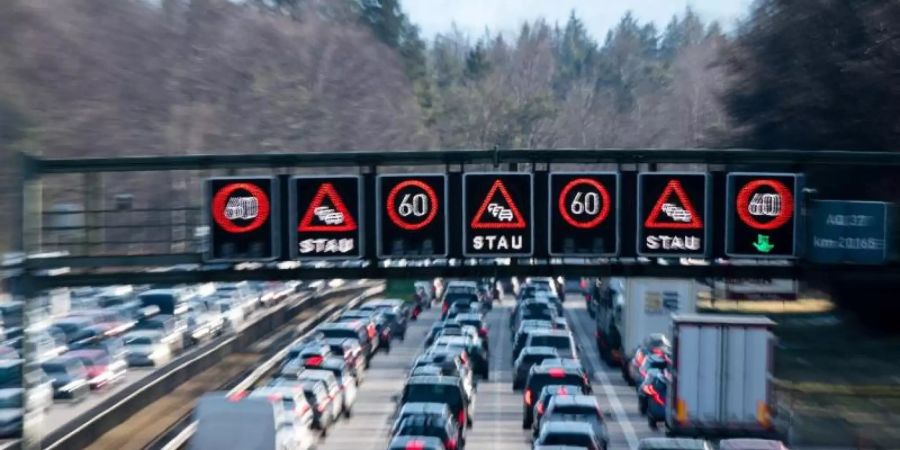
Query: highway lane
(498, 410)
(376, 401)
(62, 413)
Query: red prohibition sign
(220, 201)
(601, 216)
(392, 206)
(787, 204)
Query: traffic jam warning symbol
(761, 220)
(497, 211)
(411, 215)
(672, 214)
(325, 212)
(583, 214)
(242, 226)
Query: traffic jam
(316, 386)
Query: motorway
(498, 410)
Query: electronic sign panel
(497, 214)
(412, 217)
(673, 214)
(583, 214)
(242, 213)
(326, 217)
(762, 215)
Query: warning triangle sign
(322, 217)
(498, 212)
(674, 210)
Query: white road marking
(608, 390)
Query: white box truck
(721, 376)
(630, 309)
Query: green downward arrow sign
(762, 243)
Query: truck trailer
(721, 376)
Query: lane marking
(601, 376)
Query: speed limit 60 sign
(242, 216)
(762, 218)
(583, 214)
(412, 215)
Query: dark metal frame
(34, 168)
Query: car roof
(336, 325)
(550, 388)
(539, 350)
(552, 332)
(566, 426)
(424, 408)
(570, 370)
(672, 444)
(574, 400)
(751, 444)
(433, 379)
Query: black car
(528, 357)
(372, 320)
(577, 434)
(541, 376)
(70, 377)
(446, 390)
(443, 428)
(576, 408)
(453, 298)
(561, 340)
(396, 311)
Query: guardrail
(82, 431)
(262, 370)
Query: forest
(137, 77)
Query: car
(452, 363)
(578, 434)
(69, 377)
(312, 348)
(659, 443)
(561, 340)
(146, 348)
(751, 444)
(102, 370)
(351, 351)
(420, 409)
(478, 359)
(576, 408)
(461, 308)
(342, 372)
(415, 443)
(543, 400)
(297, 411)
(528, 357)
(534, 310)
(74, 328)
(316, 394)
(655, 343)
(540, 376)
(12, 408)
(446, 390)
(334, 385)
(352, 329)
(239, 421)
(451, 299)
(522, 336)
(173, 329)
(395, 310)
(477, 321)
(443, 428)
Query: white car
(297, 412)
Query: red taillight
(237, 396)
(451, 444)
(540, 408)
(462, 417)
(557, 372)
(650, 391)
(528, 397)
(562, 391)
(643, 372)
(583, 284)
(483, 331)
(415, 445)
(314, 361)
(444, 309)
(372, 331)
(639, 358)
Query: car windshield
(138, 340)
(580, 410)
(339, 332)
(557, 342)
(433, 393)
(581, 439)
(12, 399)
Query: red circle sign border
(787, 203)
(220, 200)
(391, 210)
(604, 212)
